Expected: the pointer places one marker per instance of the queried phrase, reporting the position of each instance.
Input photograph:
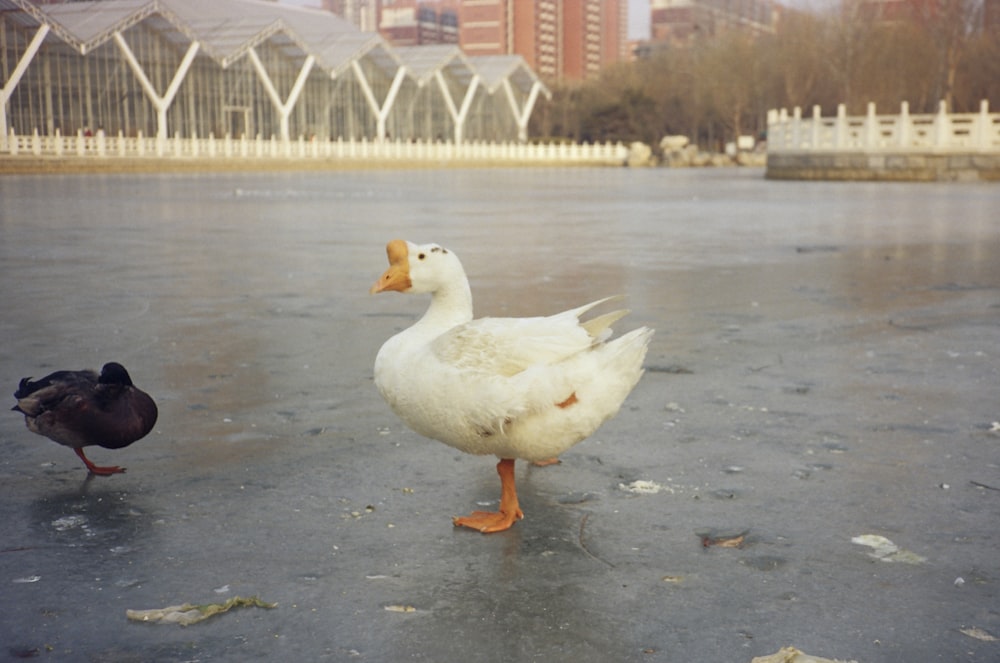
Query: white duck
(525, 388)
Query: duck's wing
(45, 394)
(508, 346)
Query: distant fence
(125, 147)
(939, 132)
(939, 146)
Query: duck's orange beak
(397, 277)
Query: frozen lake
(826, 365)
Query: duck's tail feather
(599, 328)
(580, 310)
(631, 348)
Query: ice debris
(641, 487)
(793, 655)
(400, 608)
(979, 634)
(885, 550)
(188, 613)
(28, 579)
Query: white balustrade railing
(939, 132)
(120, 146)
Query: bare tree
(951, 25)
(798, 57)
(729, 72)
(978, 73)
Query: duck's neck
(450, 306)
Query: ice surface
(837, 343)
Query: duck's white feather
(507, 346)
(514, 387)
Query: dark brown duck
(82, 409)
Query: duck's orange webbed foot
(488, 521)
(99, 470)
(106, 470)
(548, 461)
(509, 513)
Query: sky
(638, 15)
(638, 19)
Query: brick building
(558, 40)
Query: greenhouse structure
(245, 68)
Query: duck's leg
(97, 469)
(510, 511)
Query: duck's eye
(421, 256)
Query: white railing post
(871, 128)
(840, 128)
(817, 123)
(982, 140)
(772, 120)
(942, 125)
(905, 126)
(783, 130)
(797, 128)
(59, 142)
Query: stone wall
(885, 166)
